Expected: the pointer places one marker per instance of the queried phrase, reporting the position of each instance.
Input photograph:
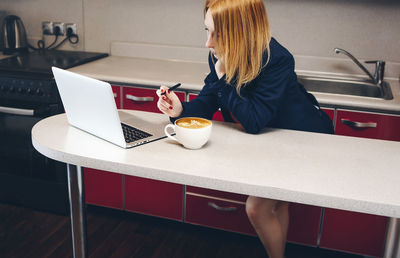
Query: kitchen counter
(294, 166)
(154, 72)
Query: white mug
(191, 132)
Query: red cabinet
(353, 232)
(117, 95)
(143, 99)
(227, 211)
(304, 224)
(217, 209)
(154, 197)
(217, 213)
(147, 196)
(103, 188)
(368, 125)
(350, 231)
(216, 194)
(330, 112)
(341, 230)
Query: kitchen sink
(346, 87)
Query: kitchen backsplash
(369, 29)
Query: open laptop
(90, 106)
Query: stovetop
(27, 79)
(39, 63)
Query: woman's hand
(169, 103)
(220, 68)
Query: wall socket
(47, 28)
(59, 28)
(70, 28)
(50, 28)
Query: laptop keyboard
(132, 134)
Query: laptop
(90, 106)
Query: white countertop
(154, 72)
(151, 72)
(333, 171)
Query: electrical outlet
(59, 28)
(70, 29)
(47, 28)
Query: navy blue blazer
(273, 99)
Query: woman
(252, 81)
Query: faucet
(377, 78)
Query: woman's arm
(260, 102)
(206, 103)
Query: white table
(332, 171)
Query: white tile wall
(172, 22)
(370, 29)
(33, 12)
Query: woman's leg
(270, 219)
(283, 216)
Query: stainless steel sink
(346, 87)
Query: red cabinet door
(143, 195)
(143, 99)
(304, 223)
(154, 197)
(350, 231)
(216, 194)
(103, 188)
(353, 232)
(330, 112)
(368, 125)
(217, 115)
(117, 95)
(218, 213)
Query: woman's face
(210, 43)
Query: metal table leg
(77, 210)
(392, 249)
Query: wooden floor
(28, 233)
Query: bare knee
(282, 206)
(260, 208)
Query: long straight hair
(242, 36)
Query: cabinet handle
(17, 111)
(358, 124)
(115, 95)
(219, 208)
(139, 99)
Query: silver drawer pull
(219, 208)
(139, 99)
(115, 95)
(358, 124)
(17, 111)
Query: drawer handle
(139, 99)
(115, 95)
(17, 111)
(219, 208)
(359, 124)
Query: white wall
(33, 12)
(370, 29)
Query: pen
(172, 88)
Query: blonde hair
(243, 35)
